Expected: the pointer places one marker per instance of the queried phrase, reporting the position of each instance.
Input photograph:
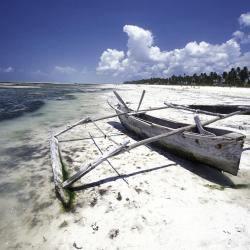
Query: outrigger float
(219, 148)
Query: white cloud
(111, 60)
(238, 34)
(65, 69)
(68, 74)
(39, 73)
(144, 59)
(244, 19)
(241, 37)
(6, 70)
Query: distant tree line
(235, 77)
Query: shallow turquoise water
(27, 198)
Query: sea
(29, 113)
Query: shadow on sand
(209, 173)
(204, 171)
(117, 177)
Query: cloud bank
(65, 69)
(144, 59)
(244, 19)
(6, 70)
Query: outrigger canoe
(221, 149)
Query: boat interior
(175, 125)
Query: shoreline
(170, 203)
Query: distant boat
(221, 150)
(222, 109)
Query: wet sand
(170, 203)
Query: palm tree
(244, 75)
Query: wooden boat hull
(222, 109)
(222, 151)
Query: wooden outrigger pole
(89, 120)
(58, 172)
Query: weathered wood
(120, 99)
(88, 138)
(142, 96)
(55, 160)
(200, 128)
(110, 164)
(174, 106)
(88, 119)
(82, 121)
(105, 135)
(124, 147)
(180, 130)
(130, 112)
(221, 151)
(85, 168)
(57, 169)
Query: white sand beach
(167, 203)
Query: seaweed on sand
(233, 186)
(70, 195)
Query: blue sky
(112, 41)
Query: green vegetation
(68, 193)
(235, 77)
(63, 224)
(217, 187)
(233, 186)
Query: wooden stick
(120, 99)
(142, 96)
(84, 120)
(105, 135)
(56, 163)
(107, 159)
(88, 119)
(84, 169)
(88, 138)
(57, 170)
(174, 106)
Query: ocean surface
(28, 114)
